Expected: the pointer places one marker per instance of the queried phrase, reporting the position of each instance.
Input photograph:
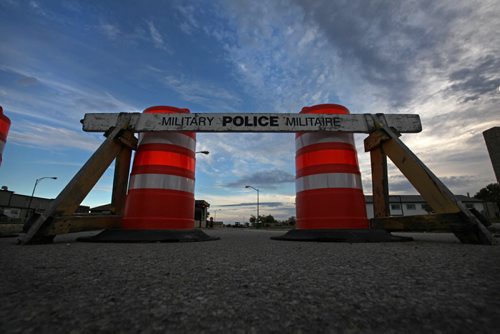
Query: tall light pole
(257, 190)
(215, 216)
(34, 188)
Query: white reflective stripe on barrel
(171, 138)
(310, 138)
(161, 181)
(328, 180)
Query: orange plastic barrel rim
(166, 109)
(327, 108)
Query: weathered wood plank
(252, 122)
(375, 139)
(380, 183)
(120, 180)
(434, 192)
(445, 222)
(71, 224)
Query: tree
(490, 193)
(291, 221)
(267, 220)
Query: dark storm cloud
(469, 83)
(266, 204)
(386, 41)
(399, 184)
(264, 179)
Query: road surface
(247, 283)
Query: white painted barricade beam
(253, 122)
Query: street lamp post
(34, 188)
(215, 216)
(257, 190)
(203, 152)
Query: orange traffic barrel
(160, 200)
(330, 203)
(4, 131)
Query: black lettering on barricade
(263, 121)
(274, 121)
(167, 121)
(254, 121)
(238, 120)
(194, 121)
(249, 123)
(202, 121)
(226, 120)
(336, 121)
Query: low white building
(412, 205)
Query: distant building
(15, 207)
(200, 213)
(412, 205)
(492, 139)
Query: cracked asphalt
(247, 283)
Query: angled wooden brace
(385, 141)
(118, 144)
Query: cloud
(145, 32)
(51, 138)
(203, 93)
(62, 101)
(235, 155)
(398, 184)
(266, 204)
(156, 37)
(27, 81)
(111, 31)
(264, 179)
(229, 208)
(189, 23)
(470, 83)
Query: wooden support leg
(380, 184)
(77, 189)
(434, 192)
(120, 181)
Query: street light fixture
(257, 190)
(203, 152)
(34, 188)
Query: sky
(62, 59)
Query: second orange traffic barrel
(328, 181)
(330, 202)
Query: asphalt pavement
(247, 283)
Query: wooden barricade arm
(78, 188)
(434, 192)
